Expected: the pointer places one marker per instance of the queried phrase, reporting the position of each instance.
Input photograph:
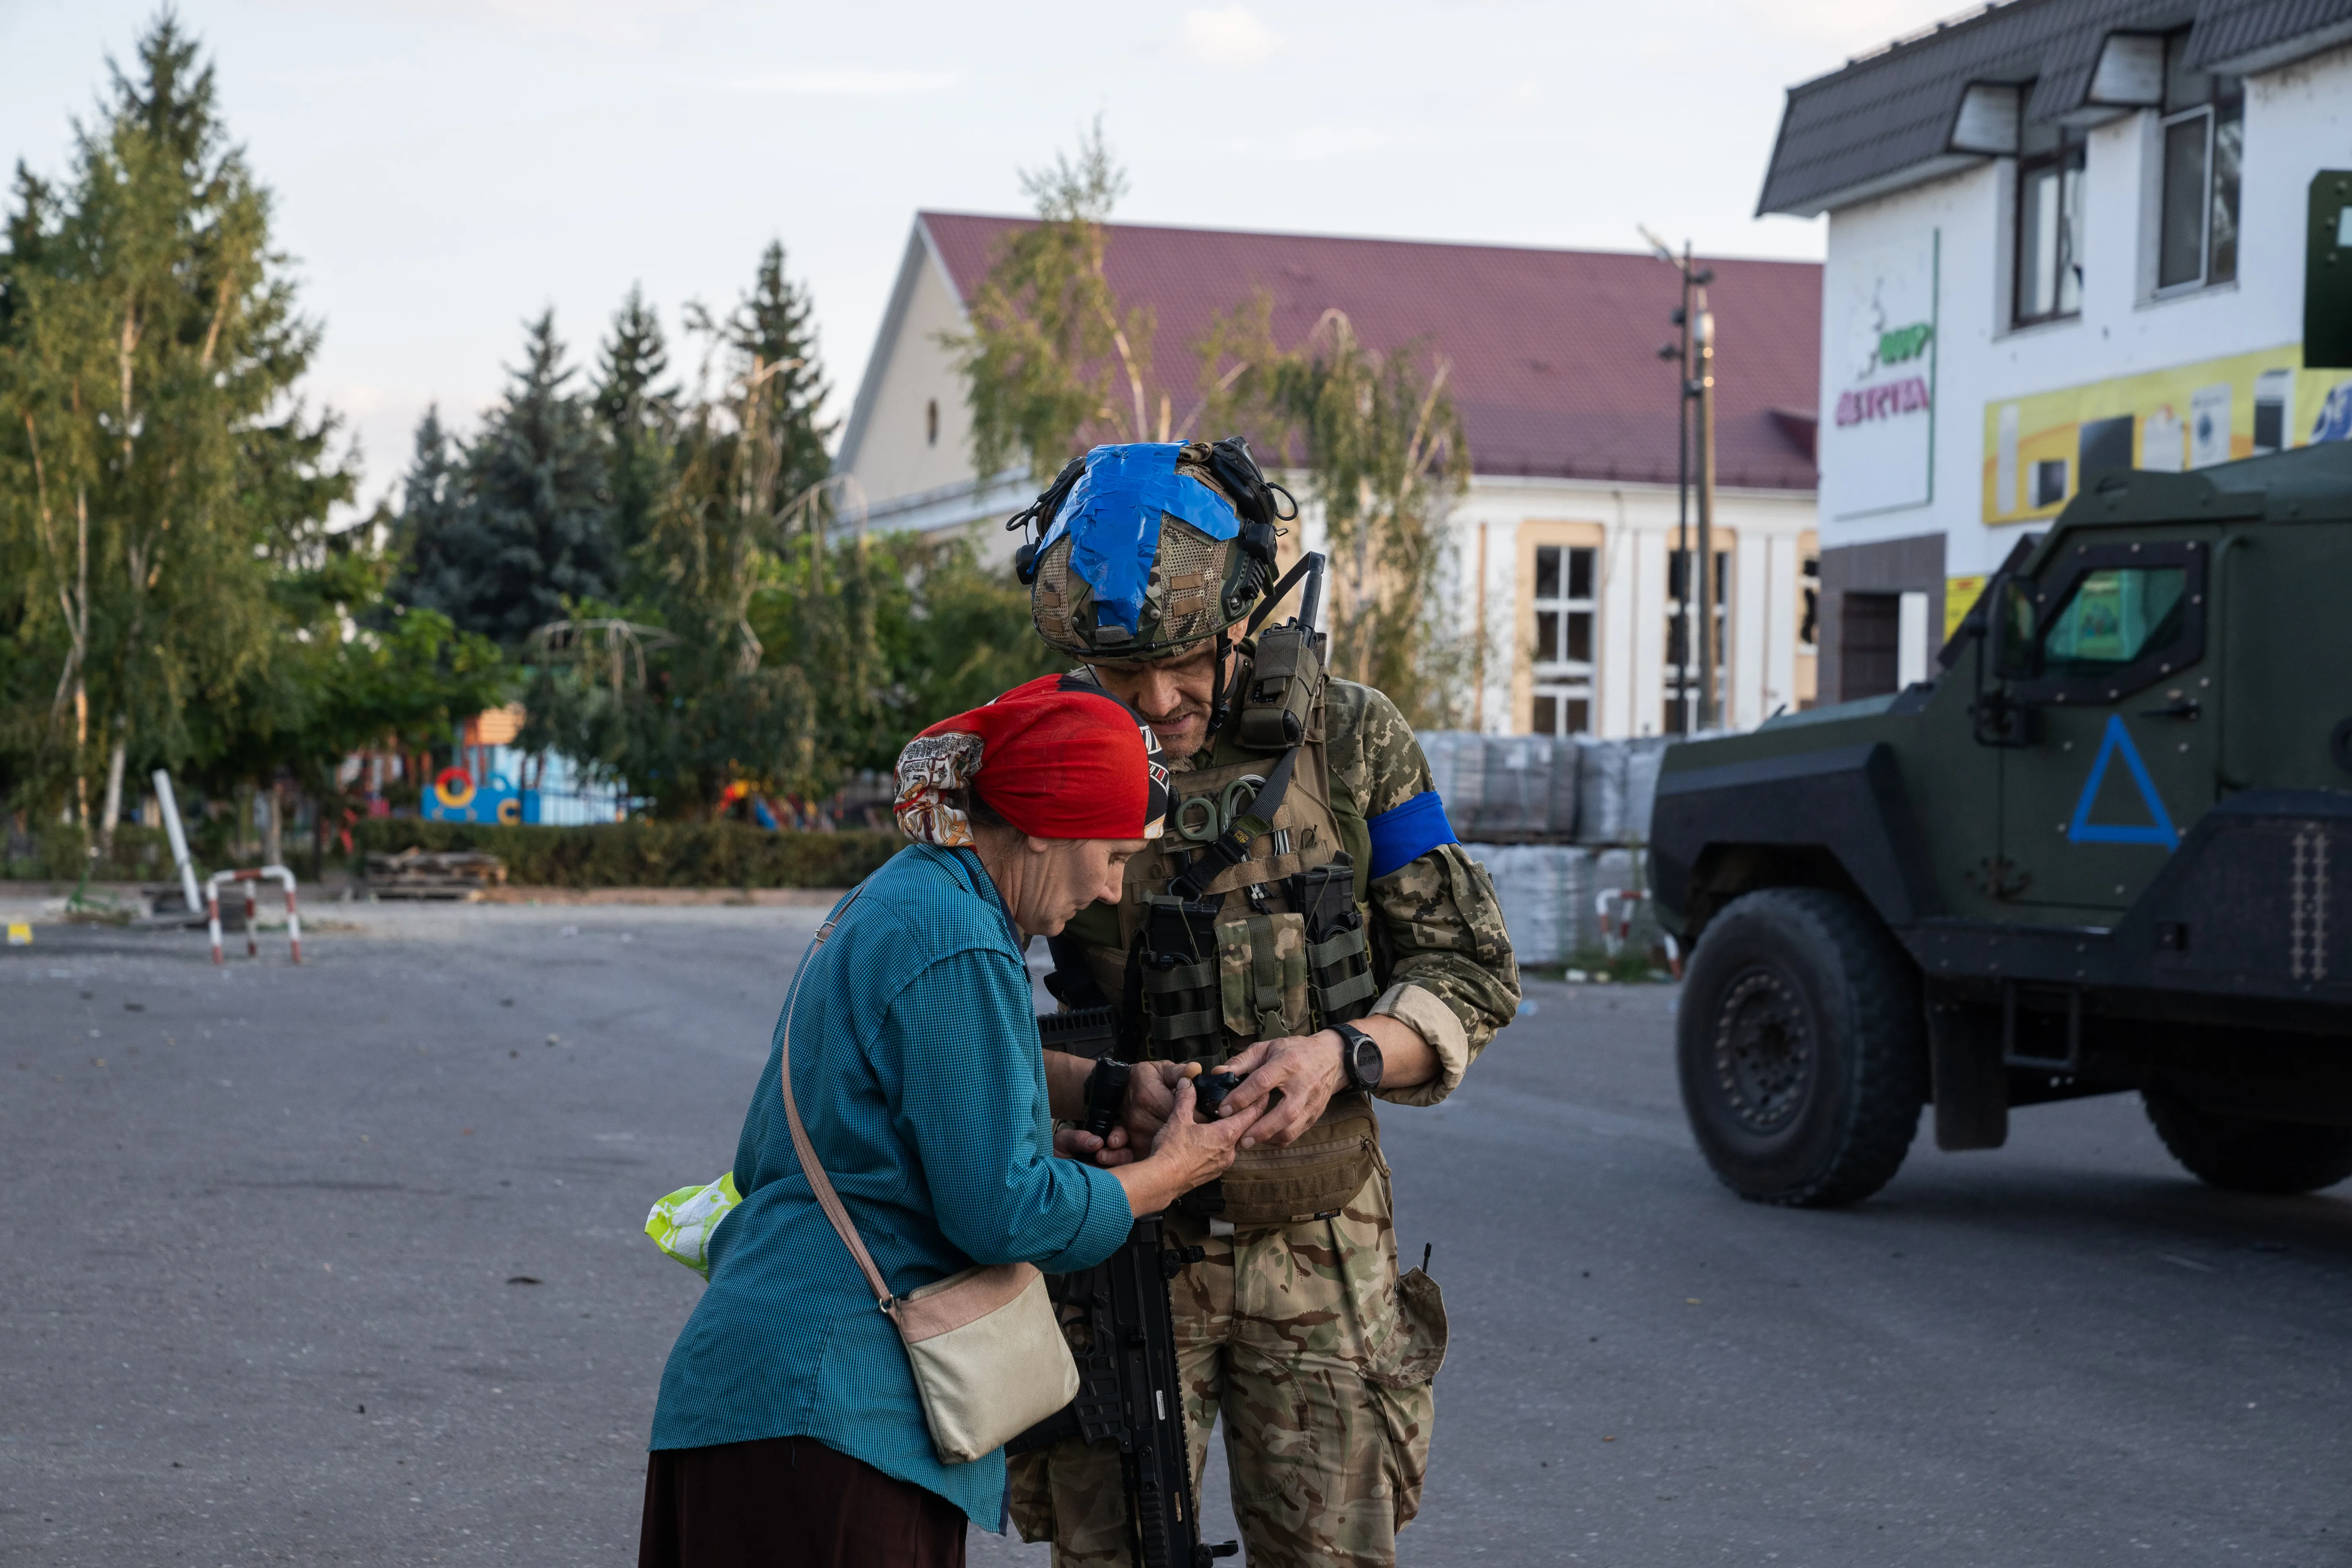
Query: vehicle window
(2112, 616)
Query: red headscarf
(1062, 759)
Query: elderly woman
(790, 1430)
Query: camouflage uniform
(1317, 1353)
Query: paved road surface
(343, 1265)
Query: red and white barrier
(1617, 928)
(252, 945)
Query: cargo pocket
(1398, 1376)
(1262, 976)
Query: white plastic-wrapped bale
(1457, 767)
(1600, 791)
(1528, 790)
(1616, 782)
(1547, 894)
(1644, 759)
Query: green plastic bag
(681, 1223)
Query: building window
(1682, 661)
(2204, 135)
(2049, 281)
(1565, 612)
(931, 423)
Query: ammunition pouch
(1338, 957)
(1181, 995)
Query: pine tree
(425, 532)
(637, 413)
(529, 527)
(772, 332)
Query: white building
(2065, 236)
(1563, 542)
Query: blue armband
(1409, 832)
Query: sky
(443, 171)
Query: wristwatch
(1360, 1054)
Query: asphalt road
(343, 1264)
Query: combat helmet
(1143, 551)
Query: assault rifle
(1129, 1389)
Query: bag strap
(821, 1184)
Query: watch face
(1364, 1060)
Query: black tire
(2249, 1154)
(1802, 1046)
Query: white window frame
(1559, 679)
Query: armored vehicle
(2107, 848)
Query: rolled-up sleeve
(972, 1104)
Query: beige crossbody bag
(989, 1357)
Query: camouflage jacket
(1442, 950)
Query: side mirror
(2013, 631)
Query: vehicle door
(2104, 655)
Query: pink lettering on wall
(1906, 396)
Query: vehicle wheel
(1802, 1046)
(2249, 1154)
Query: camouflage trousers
(1318, 1356)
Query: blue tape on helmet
(1112, 519)
(1404, 834)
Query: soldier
(1307, 919)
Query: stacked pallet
(451, 874)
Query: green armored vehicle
(2107, 848)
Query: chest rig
(1244, 922)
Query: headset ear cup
(1024, 564)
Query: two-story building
(1562, 546)
(2065, 236)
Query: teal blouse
(918, 1073)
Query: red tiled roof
(1554, 352)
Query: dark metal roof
(1886, 120)
(1554, 353)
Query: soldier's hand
(1151, 1096)
(1307, 1069)
(1075, 1143)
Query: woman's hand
(1150, 1094)
(1186, 1153)
(1074, 1143)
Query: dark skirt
(790, 1502)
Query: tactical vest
(1275, 945)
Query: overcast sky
(443, 170)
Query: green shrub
(646, 854)
(140, 855)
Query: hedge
(56, 853)
(648, 854)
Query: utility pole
(1682, 501)
(1703, 388)
(1693, 382)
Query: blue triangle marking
(2083, 830)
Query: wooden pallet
(451, 876)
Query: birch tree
(162, 467)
